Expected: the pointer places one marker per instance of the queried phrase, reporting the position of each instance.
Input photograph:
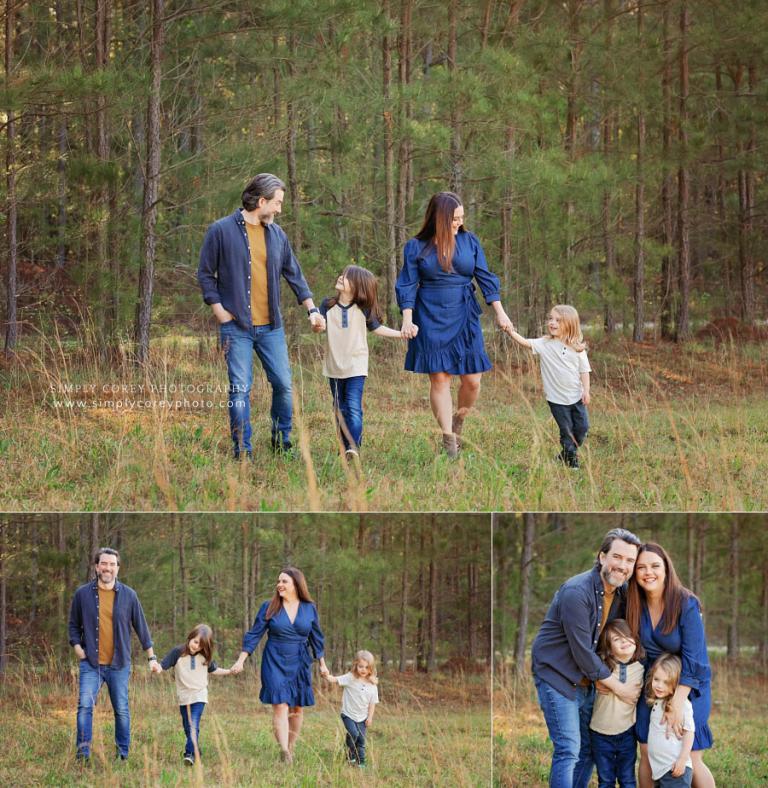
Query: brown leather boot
(457, 424)
(449, 445)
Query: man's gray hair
(617, 533)
(263, 185)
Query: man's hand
(221, 314)
(317, 321)
(629, 693)
(79, 651)
(155, 666)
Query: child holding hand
(358, 703)
(565, 375)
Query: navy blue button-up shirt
(224, 272)
(126, 613)
(565, 650)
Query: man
(243, 256)
(100, 620)
(565, 662)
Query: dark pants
(668, 781)
(355, 739)
(615, 757)
(196, 710)
(573, 422)
(348, 409)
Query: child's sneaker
(189, 760)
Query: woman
(293, 630)
(667, 618)
(441, 316)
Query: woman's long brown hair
(438, 227)
(301, 590)
(205, 633)
(365, 291)
(675, 594)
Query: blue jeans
(668, 781)
(568, 725)
(355, 739)
(196, 710)
(91, 680)
(239, 346)
(615, 757)
(573, 422)
(348, 408)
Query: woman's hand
(237, 667)
(503, 322)
(409, 329)
(674, 718)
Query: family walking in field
(104, 611)
(620, 661)
(243, 258)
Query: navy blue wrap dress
(444, 306)
(286, 664)
(687, 641)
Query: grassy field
(426, 732)
(673, 428)
(523, 751)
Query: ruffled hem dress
(445, 309)
(286, 664)
(688, 641)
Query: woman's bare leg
(469, 391)
(702, 777)
(295, 719)
(280, 725)
(440, 399)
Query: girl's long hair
(301, 590)
(620, 627)
(674, 667)
(369, 658)
(675, 593)
(570, 327)
(364, 290)
(438, 229)
(205, 633)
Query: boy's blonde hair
(571, 327)
(673, 667)
(369, 658)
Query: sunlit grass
(672, 429)
(415, 739)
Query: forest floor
(427, 731)
(673, 428)
(523, 751)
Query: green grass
(426, 732)
(672, 429)
(523, 751)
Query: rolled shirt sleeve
(578, 631)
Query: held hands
(236, 668)
(504, 323)
(409, 329)
(324, 672)
(155, 667)
(317, 321)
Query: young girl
(670, 757)
(192, 663)
(349, 314)
(358, 702)
(565, 375)
(612, 726)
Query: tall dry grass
(672, 429)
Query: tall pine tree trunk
(404, 602)
(389, 169)
(11, 314)
(526, 565)
(151, 188)
(667, 264)
(682, 327)
(638, 289)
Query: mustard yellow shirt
(259, 301)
